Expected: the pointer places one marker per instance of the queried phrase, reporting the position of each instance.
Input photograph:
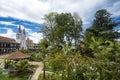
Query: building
(17, 55)
(29, 43)
(21, 38)
(8, 45)
(35, 47)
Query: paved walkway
(38, 70)
(37, 73)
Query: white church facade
(25, 43)
(21, 38)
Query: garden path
(38, 70)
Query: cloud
(118, 31)
(9, 33)
(36, 37)
(114, 9)
(7, 23)
(31, 10)
(34, 10)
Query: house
(8, 45)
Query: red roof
(5, 39)
(17, 55)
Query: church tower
(21, 37)
(18, 35)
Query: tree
(102, 26)
(61, 28)
(65, 24)
(69, 26)
(43, 45)
(49, 23)
(77, 28)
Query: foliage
(77, 29)
(60, 28)
(50, 77)
(102, 65)
(21, 65)
(97, 57)
(102, 27)
(77, 67)
(23, 76)
(36, 56)
(50, 23)
(30, 50)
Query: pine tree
(102, 26)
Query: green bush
(50, 77)
(97, 60)
(36, 57)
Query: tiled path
(38, 70)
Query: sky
(30, 13)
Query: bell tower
(21, 37)
(18, 35)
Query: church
(9, 45)
(21, 39)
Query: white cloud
(31, 10)
(115, 9)
(7, 23)
(9, 34)
(117, 31)
(36, 37)
(34, 10)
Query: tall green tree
(77, 28)
(65, 24)
(61, 28)
(48, 30)
(70, 26)
(102, 26)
